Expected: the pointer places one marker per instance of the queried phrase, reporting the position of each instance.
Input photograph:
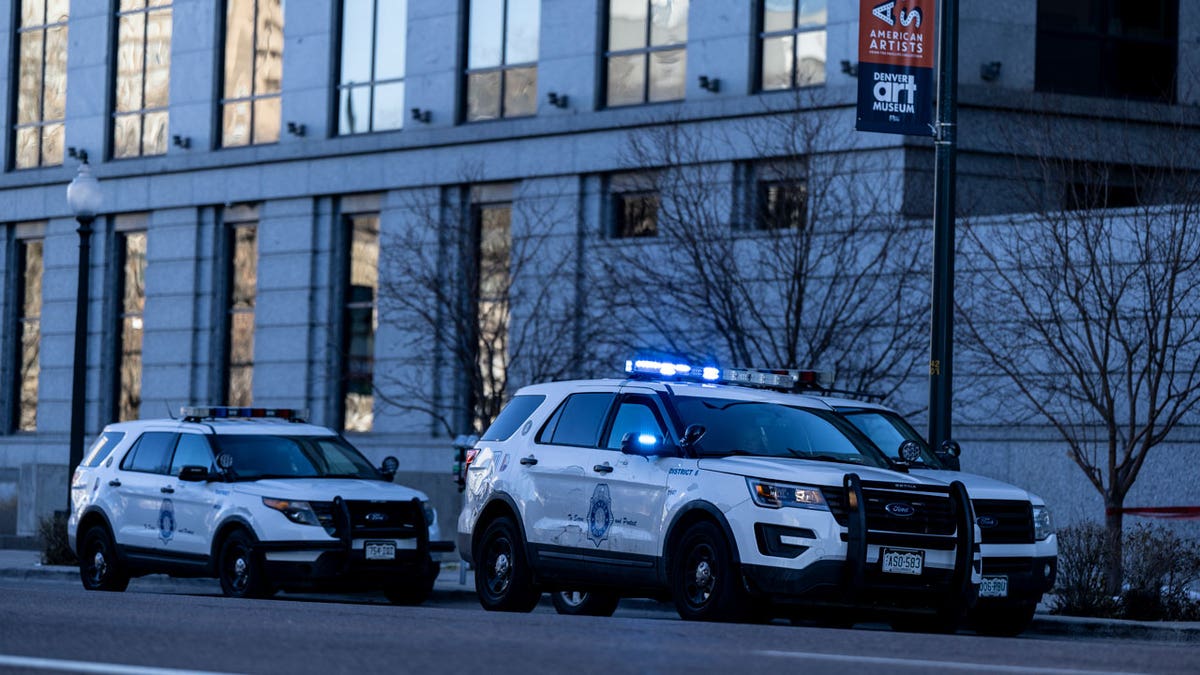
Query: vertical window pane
(626, 79)
(635, 215)
(127, 5)
(241, 359)
(243, 290)
(483, 96)
(31, 304)
(668, 22)
(30, 372)
(245, 268)
(28, 142)
(812, 13)
(235, 124)
(239, 48)
(626, 24)
(32, 13)
(779, 15)
(29, 93)
(154, 133)
(810, 58)
(361, 321)
(354, 110)
(392, 43)
(57, 11)
(483, 42)
(52, 144)
(777, 60)
(158, 58)
(130, 61)
(495, 245)
(55, 95)
(520, 92)
(357, 22)
(521, 43)
(389, 106)
(268, 64)
(266, 120)
(667, 75)
(129, 395)
(127, 136)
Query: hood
(806, 471)
(978, 487)
(325, 489)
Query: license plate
(902, 562)
(380, 550)
(993, 587)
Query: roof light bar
(779, 379)
(684, 371)
(235, 412)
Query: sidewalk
(26, 565)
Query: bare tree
(475, 284)
(1089, 305)
(780, 256)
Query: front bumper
(1028, 579)
(306, 564)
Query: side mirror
(389, 467)
(691, 435)
(910, 451)
(643, 445)
(949, 453)
(194, 474)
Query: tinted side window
(103, 446)
(579, 420)
(512, 417)
(151, 453)
(192, 450)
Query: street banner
(896, 58)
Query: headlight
(430, 513)
(1043, 526)
(297, 512)
(774, 495)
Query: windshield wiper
(344, 475)
(825, 458)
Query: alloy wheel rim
(499, 567)
(573, 598)
(701, 576)
(239, 571)
(99, 566)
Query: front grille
(385, 519)
(908, 511)
(1004, 521)
(835, 498)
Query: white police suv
(733, 500)
(1017, 540)
(252, 496)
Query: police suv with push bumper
(712, 487)
(252, 496)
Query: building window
(1111, 48)
(242, 254)
(30, 265)
(143, 78)
(502, 52)
(792, 43)
(491, 207)
(250, 109)
(647, 51)
(361, 320)
(42, 83)
(131, 252)
(634, 203)
(777, 196)
(371, 88)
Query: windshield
(258, 456)
(887, 430)
(774, 430)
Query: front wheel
(99, 569)
(240, 568)
(705, 583)
(585, 603)
(503, 579)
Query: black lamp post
(85, 199)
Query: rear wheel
(503, 579)
(1004, 621)
(705, 582)
(240, 568)
(99, 569)
(585, 603)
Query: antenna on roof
(170, 413)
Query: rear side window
(102, 448)
(578, 420)
(512, 417)
(151, 453)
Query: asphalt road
(57, 627)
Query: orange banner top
(897, 32)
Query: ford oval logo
(376, 517)
(900, 510)
(987, 521)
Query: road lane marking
(85, 667)
(931, 663)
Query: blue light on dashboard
(647, 439)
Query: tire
(503, 579)
(240, 568)
(413, 590)
(705, 582)
(99, 568)
(585, 603)
(1004, 621)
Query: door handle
(529, 461)
(166, 489)
(602, 468)
(114, 483)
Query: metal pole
(79, 372)
(942, 334)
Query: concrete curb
(1080, 626)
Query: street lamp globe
(83, 194)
